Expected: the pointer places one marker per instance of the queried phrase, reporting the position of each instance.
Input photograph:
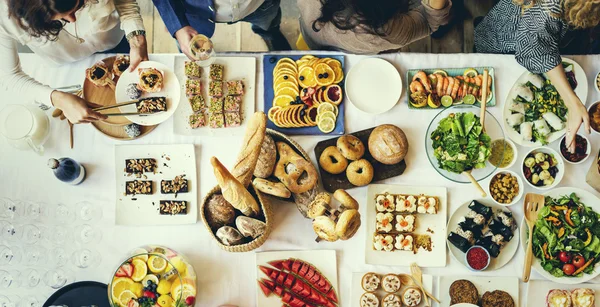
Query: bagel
(325, 228)
(332, 161)
(347, 201)
(316, 208)
(360, 172)
(272, 188)
(347, 224)
(350, 147)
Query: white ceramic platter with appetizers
(235, 68)
(357, 289)
(171, 161)
(537, 290)
(432, 225)
(483, 284)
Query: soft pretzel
(347, 224)
(324, 227)
(291, 167)
(347, 201)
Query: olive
(272, 59)
(301, 78)
(285, 77)
(537, 169)
(553, 171)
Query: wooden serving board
(381, 171)
(118, 132)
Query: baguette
(233, 191)
(248, 156)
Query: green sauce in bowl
(502, 154)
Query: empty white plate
(373, 85)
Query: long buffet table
(231, 277)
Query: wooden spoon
(531, 206)
(475, 183)
(484, 94)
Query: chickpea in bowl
(506, 188)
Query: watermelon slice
(332, 295)
(278, 290)
(287, 297)
(265, 289)
(287, 265)
(277, 264)
(303, 269)
(289, 281)
(265, 270)
(296, 265)
(282, 276)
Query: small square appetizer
(173, 207)
(99, 74)
(233, 119)
(216, 72)
(391, 283)
(384, 222)
(145, 165)
(193, 87)
(406, 204)
(216, 120)
(232, 104)
(216, 105)
(235, 87)
(151, 105)
(120, 64)
(151, 80)
(215, 88)
(197, 120)
(404, 242)
(370, 282)
(143, 187)
(427, 205)
(177, 185)
(197, 103)
(192, 69)
(384, 202)
(405, 223)
(383, 242)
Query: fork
(417, 275)
(531, 206)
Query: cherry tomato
(568, 269)
(564, 257)
(578, 261)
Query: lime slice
(447, 101)
(326, 125)
(470, 73)
(441, 72)
(469, 99)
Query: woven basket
(267, 212)
(280, 137)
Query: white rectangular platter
(235, 68)
(433, 225)
(324, 260)
(172, 160)
(483, 284)
(357, 290)
(538, 289)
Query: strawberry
(149, 294)
(190, 300)
(133, 303)
(125, 270)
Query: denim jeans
(266, 18)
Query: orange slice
(306, 77)
(323, 74)
(286, 65)
(293, 92)
(283, 100)
(284, 84)
(285, 78)
(272, 112)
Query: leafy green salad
(460, 144)
(566, 237)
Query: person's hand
(75, 108)
(575, 117)
(184, 36)
(138, 51)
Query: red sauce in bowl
(477, 258)
(581, 145)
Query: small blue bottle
(67, 170)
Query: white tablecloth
(229, 277)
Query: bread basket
(280, 137)
(267, 212)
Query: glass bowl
(153, 276)
(492, 128)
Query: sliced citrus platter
(304, 93)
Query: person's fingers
(94, 115)
(586, 123)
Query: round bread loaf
(388, 144)
(219, 212)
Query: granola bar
(215, 88)
(232, 104)
(232, 119)
(151, 105)
(216, 105)
(173, 207)
(197, 102)
(216, 120)
(216, 72)
(197, 120)
(192, 69)
(177, 185)
(193, 87)
(235, 87)
(144, 165)
(143, 187)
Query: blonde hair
(580, 14)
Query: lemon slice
(324, 75)
(141, 254)
(306, 77)
(441, 72)
(326, 114)
(447, 101)
(157, 264)
(293, 92)
(278, 86)
(164, 287)
(470, 73)
(326, 125)
(125, 297)
(120, 284)
(137, 289)
(469, 99)
(150, 277)
(326, 106)
(140, 270)
(165, 301)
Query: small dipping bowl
(587, 152)
(597, 82)
(519, 182)
(591, 110)
(477, 249)
(508, 143)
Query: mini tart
(151, 79)
(558, 298)
(412, 296)
(98, 74)
(370, 282)
(392, 300)
(583, 297)
(120, 64)
(369, 299)
(391, 283)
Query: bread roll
(266, 158)
(272, 188)
(248, 156)
(233, 191)
(388, 144)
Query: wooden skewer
(117, 105)
(71, 134)
(484, 94)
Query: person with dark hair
(186, 18)
(369, 26)
(65, 31)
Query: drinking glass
(9, 255)
(11, 232)
(88, 234)
(31, 278)
(60, 235)
(31, 234)
(85, 258)
(88, 212)
(9, 301)
(9, 279)
(58, 257)
(9, 209)
(34, 255)
(34, 211)
(32, 301)
(62, 213)
(202, 51)
(57, 278)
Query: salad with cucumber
(566, 237)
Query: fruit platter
(153, 275)
(304, 94)
(435, 88)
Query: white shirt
(97, 23)
(235, 10)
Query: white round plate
(373, 85)
(587, 199)
(170, 90)
(506, 253)
(581, 91)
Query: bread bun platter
(471, 289)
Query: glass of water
(9, 300)
(9, 255)
(34, 255)
(202, 50)
(87, 234)
(85, 258)
(58, 257)
(58, 278)
(10, 209)
(9, 279)
(88, 212)
(31, 278)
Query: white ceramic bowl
(489, 258)
(560, 166)
(597, 86)
(588, 152)
(590, 114)
(515, 153)
(519, 181)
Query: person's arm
(437, 4)
(173, 14)
(133, 26)
(419, 23)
